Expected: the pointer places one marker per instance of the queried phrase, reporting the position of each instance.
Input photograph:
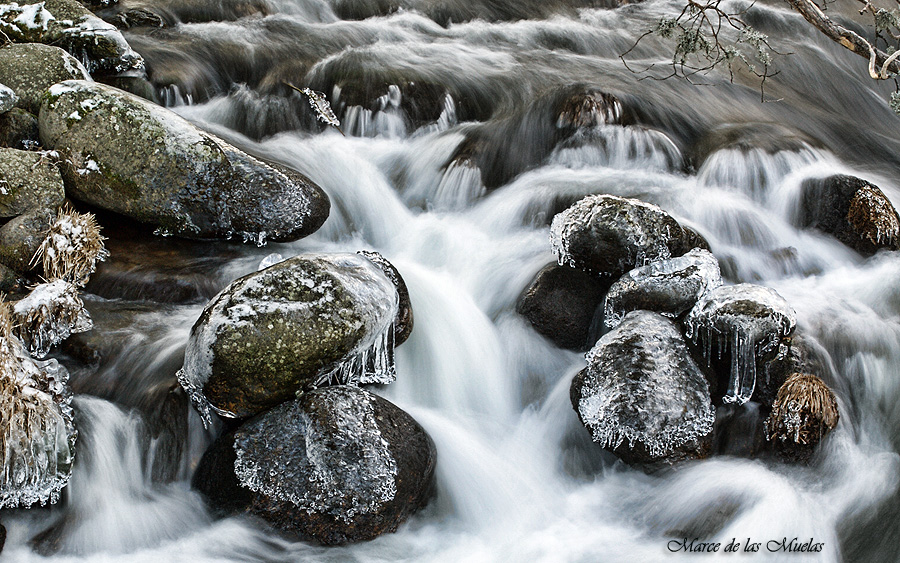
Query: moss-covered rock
(28, 180)
(21, 237)
(133, 157)
(338, 465)
(68, 24)
(284, 329)
(31, 68)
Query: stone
(8, 98)
(31, 68)
(19, 130)
(21, 237)
(403, 324)
(28, 180)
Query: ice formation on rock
(748, 321)
(48, 315)
(331, 459)
(37, 435)
(669, 287)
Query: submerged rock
(805, 411)
(852, 210)
(642, 396)
(745, 137)
(337, 465)
(589, 109)
(561, 303)
(28, 180)
(670, 287)
(8, 98)
(31, 68)
(609, 235)
(68, 24)
(306, 321)
(747, 322)
(127, 155)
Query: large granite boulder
(133, 157)
(31, 68)
(28, 180)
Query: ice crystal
(48, 315)
(319, 103)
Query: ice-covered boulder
(127, 155)
(805, 411)
(403, 324)
(670, 287)
(307, 321)
(744, 322)
(28, 180)
(642, 396)
(68, 24)
(337, 465)
(609, 235)
(852, 210)
(31, 68)
(561, 302)
(8, 98)
(37, 434)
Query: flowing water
(456, 184)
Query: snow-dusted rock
(744, 322)
(133, 157)
(49, 314)
(8, 98)
(670, 287)
(337, 465)
(310, 320)
(609, 235)
(28, 180)
(68, 24)
(642, 396)
(31, 68)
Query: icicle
(368, 365)
(48, 315)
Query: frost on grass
(72, 248)
(48, 315)
(874, 218)
(324, 453)
(669, 287)
(37, 435)
(746, 321)
(805, 410)
(641, 386)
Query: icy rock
(403, 324)
(561, 303)
(338, 465)
(746, 322)
(670, 287)
(805, 411)
(37, 434)
(642, 396)
(133, 157)
(307, 321)
(609, 235)
(48, 315)
(28, 180)
(68, 24)
(8, 98)
(852, 210)
(31, 68)
(795, 355)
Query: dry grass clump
(72, 248)
(805, 410)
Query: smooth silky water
(518, 478)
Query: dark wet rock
(133, 83)
(609, 235)
(292, 326)
(108, 338)
(31, 68)
(8, 98)
(126, 14)
(795, 355)
(21, 237)
(403, 324)
(338, 465)
(770, 137)
(742, 326)
(561, 303)
(11, 282)
(669, 287)
(642, 396)
(589, 109)
(852, 210)
(2, 537)
(805, 411)
(164, 171)
(168, 427)
(740, 430)
(416, 102)
(19, 130)
(68, 24)
(28, 181)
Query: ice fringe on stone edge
(48, 315)
(371, 361)
(366, 470)
(601, 398)
(37, 434)
(72, 248)
(715, 329)
(698, 263)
